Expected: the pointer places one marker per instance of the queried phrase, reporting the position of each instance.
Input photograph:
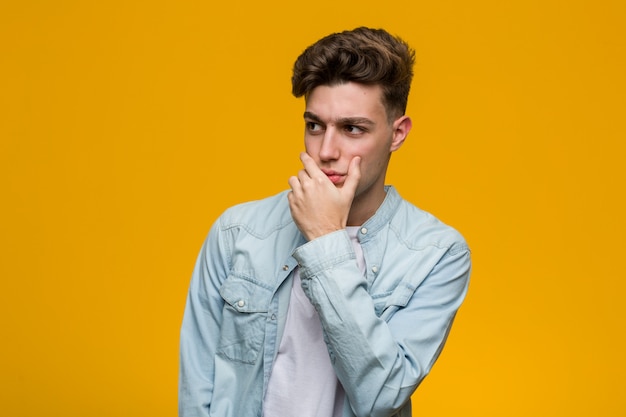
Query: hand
(317, 205)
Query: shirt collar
(384, 213)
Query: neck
(363, 208)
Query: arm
(201, 328)
(380, 362)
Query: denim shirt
(383, 331)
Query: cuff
(324, 253)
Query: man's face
(347, 120)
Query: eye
(354, 130)
(313, 127)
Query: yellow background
(126, 127)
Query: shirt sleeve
(380, 361)
(200, 327)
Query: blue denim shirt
(383, 331)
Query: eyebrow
(342, 120)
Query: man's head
(356, 85)
(364, 56)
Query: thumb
(354, 175)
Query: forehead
(346, 100)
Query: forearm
(379, 361)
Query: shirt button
(241, 303)
(273, 316)
(374, 269)
(364, 230)
(285, 267)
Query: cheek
(308, 145)
(371, 156)
(356, 148)
(373, 164)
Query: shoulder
(418, 228)
(259, 217)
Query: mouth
(334, 176)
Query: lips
(334, 176)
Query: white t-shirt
(303, 382)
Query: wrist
(319, 232)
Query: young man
(334, 298)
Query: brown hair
(362, 55)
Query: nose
(329, 149)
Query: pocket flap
(245, 295)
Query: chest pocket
(243, 321)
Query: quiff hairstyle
(362, 55)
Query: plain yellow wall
(126, 127)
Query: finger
(311, 166)
(354, 175)
(294, 183)
(303, 176)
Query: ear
(401, 128)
